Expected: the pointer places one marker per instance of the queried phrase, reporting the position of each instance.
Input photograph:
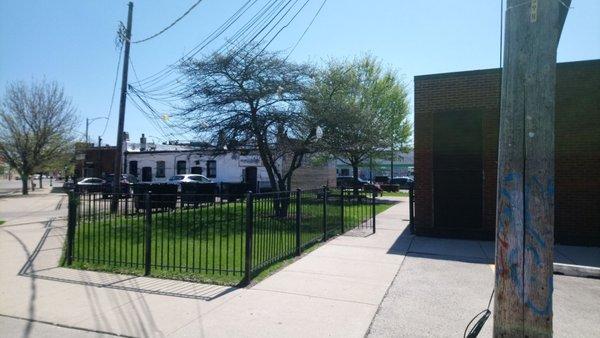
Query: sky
(73, 43)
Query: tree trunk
(281, 202)
(24, 187)
(40, 181)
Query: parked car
(381, 179)
(188, 178)
(403, 182)
(347, 182)
(90, 184)
(127, 182)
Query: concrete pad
(258, 313)
(356, 270)
(363, 254)
(154, 315)
(576, 307)
(428, 299)
(449, 247)
(382, 239)
(325, 286)
(12, 327)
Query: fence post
(324, 213)
(71, 224)
(148, 221)
(342, 208)
(411, 212)
(249, 234)
(373, 210)
(298, 216)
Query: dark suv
(127, 182)
(404, 182)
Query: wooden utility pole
(119, 157)
(525, 200)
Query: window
(146, 174)
(345, 172)
(197, 170)
(211, 169)
(160, 168)
(181, 167)
(133, 168)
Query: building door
(457, 170)
(146, 174)
(250, 177)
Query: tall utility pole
(119, 157)
(525, 198)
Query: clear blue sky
(72, 42)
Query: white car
(189, 178)
(90, 184)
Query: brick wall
(577, 205)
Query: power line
(284, 27)
(112, 98)
(307, 28)
(211, 37)
(171, 25)
(254, 24)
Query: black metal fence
(208, 234)
(411, 208)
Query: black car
(381, 179)
(127, 182)
(347, 182)
(403, 182)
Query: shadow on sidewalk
(482, 252)
(42, 264)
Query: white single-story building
(158, 162)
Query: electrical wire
(112, 99)
(479, 324)
(254, 27)
(211, 37)
(169, 26)
(306, 30)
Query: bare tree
(36, 125)
(252, 97)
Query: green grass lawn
(207, 243)
(2, 222)
(401, 193)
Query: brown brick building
(95, 161)
(456, 150)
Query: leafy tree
(362, 109)
(36, 124)
(249, 97)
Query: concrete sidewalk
(333, 291)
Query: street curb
(576, 270)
